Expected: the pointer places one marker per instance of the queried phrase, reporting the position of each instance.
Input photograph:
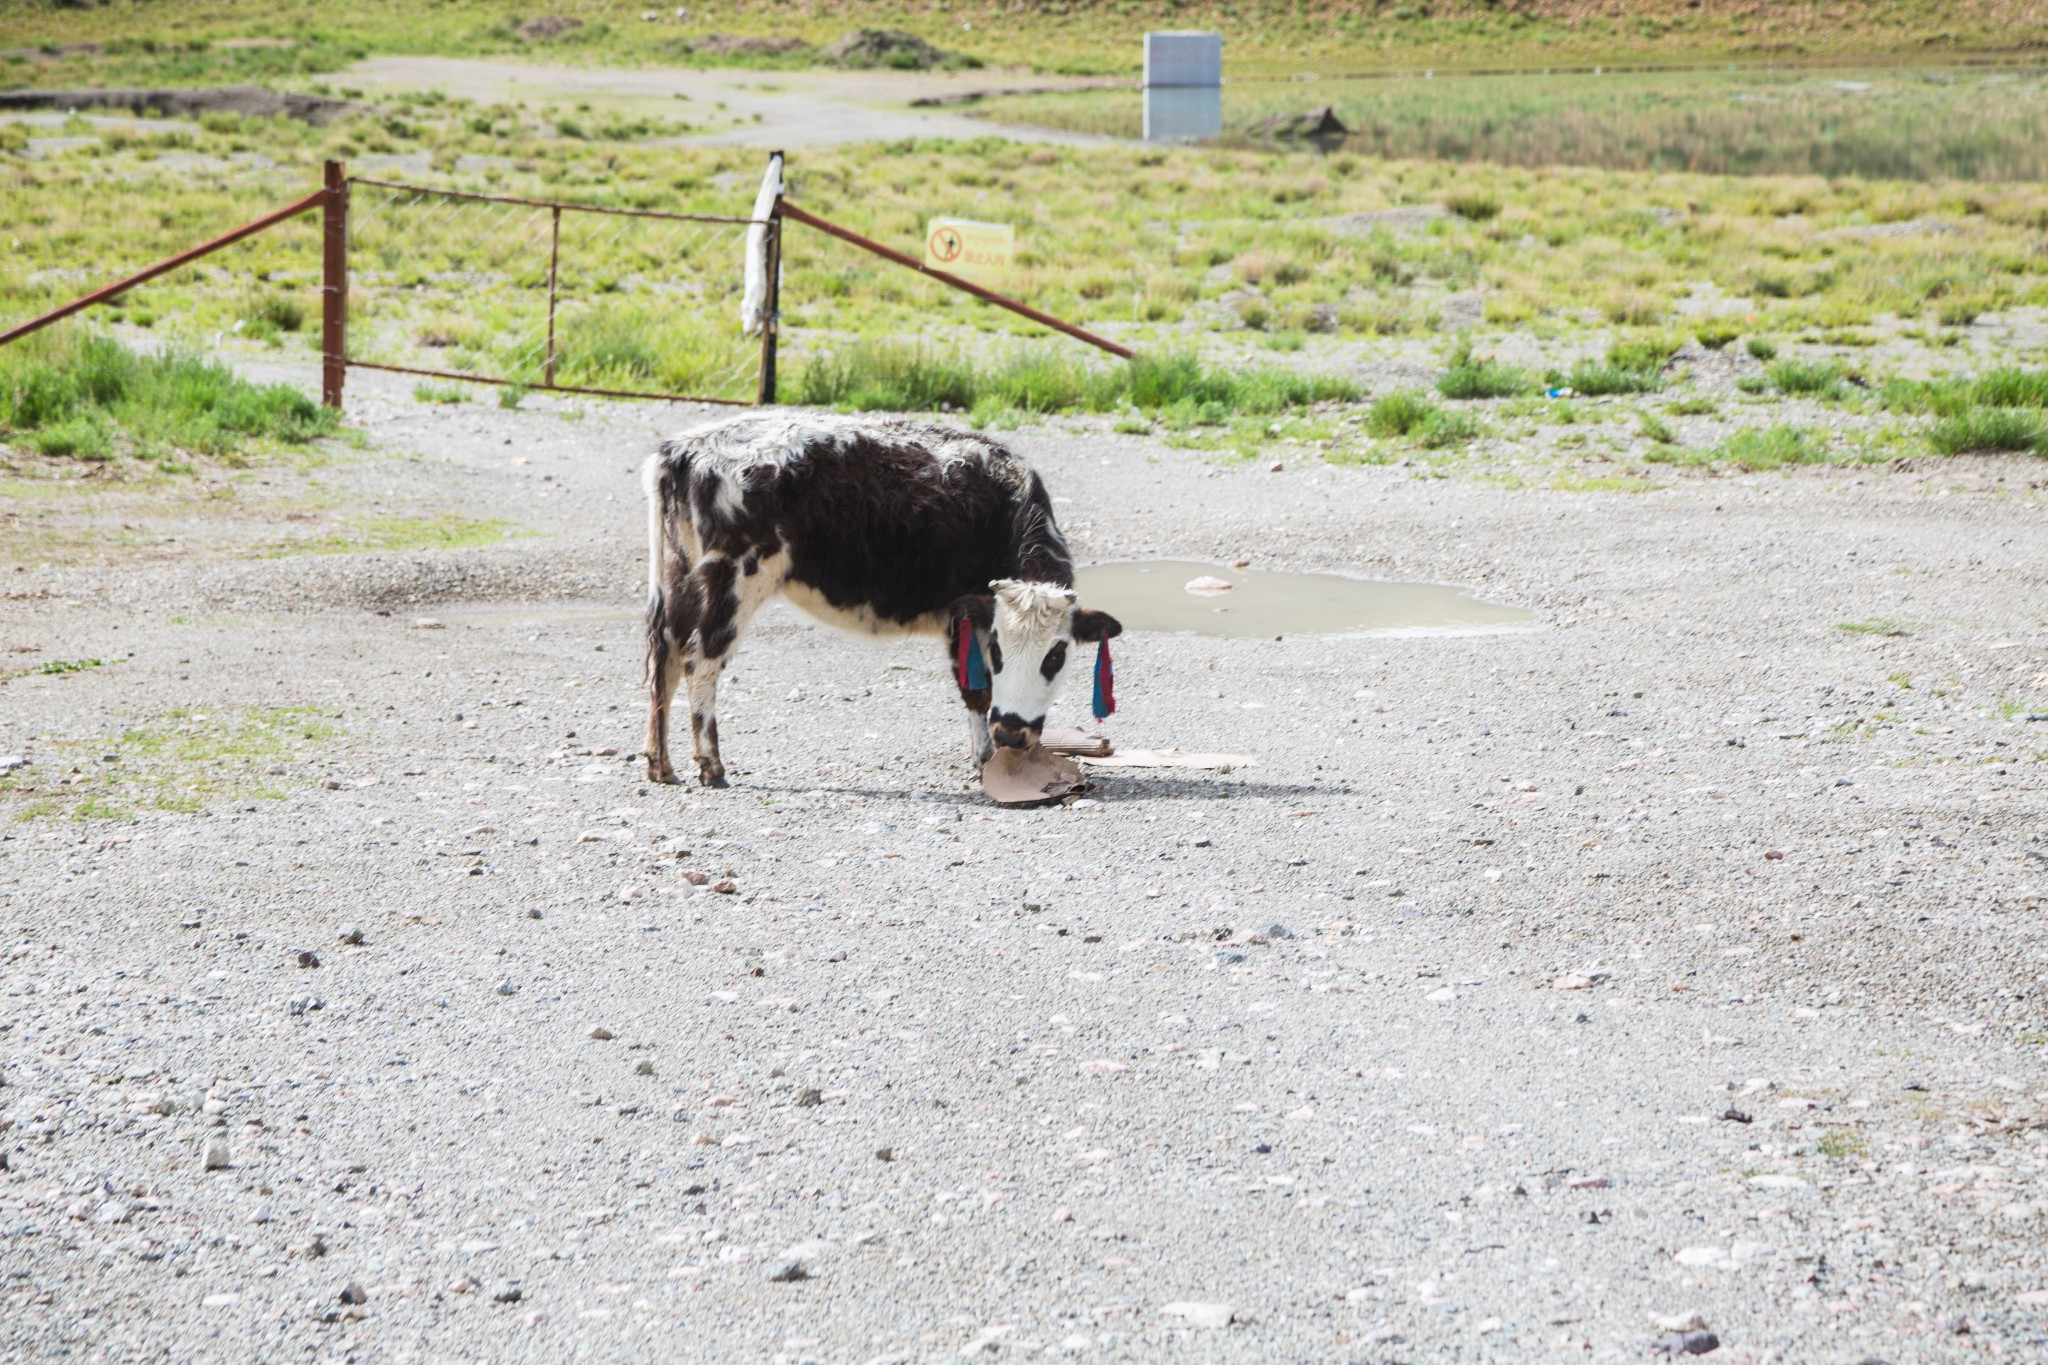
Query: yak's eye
(1055, 660)
(995, 655)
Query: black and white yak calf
(880, 527)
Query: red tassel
(1104, 704)
(963, 631)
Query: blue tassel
(1104, 703)
(973, 671)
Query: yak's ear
(1093, 627)
(979, 608)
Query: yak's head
(1029, 634)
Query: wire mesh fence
(548, 295)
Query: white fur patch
(859, 620)
(1032, 614)
(1029, 619)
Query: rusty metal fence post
(334, 286)
(772, 311)
(554, 261)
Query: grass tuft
(79, 396)
(1991, 429)
(1474, 206)
(874, 376)
(1483, 377)
(1596, 381)
(1716, 333)
(1771, 448)
(1409, 414)
(1808, 378)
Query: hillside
(78, 41)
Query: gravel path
(775, 108)
(1679, 955)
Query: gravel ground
(1538, 990)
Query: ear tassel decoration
(1104, 704)
(968, 666)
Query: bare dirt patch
(247, 100)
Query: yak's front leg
(975, 699)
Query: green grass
(648, 308)
(1657, 430)
(393, 534)
(1808, 378)
(181, 761)
(182, 45)
(1888, 629)
(1841, 1143)
(1914, 123)
(2008, 387)
(2005, 409)
(1716, 333)
(1483, 377)
(1408, 414)
(1598, 381)
(1770, 448)
(907, 377)
(439, 393)
(89, 397)
(56, 667)
(1985, 430)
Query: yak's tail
(664, 478)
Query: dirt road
(753, 108)
(1680, 954)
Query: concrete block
(1182, 58)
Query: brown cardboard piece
(1078, 743)
(1024, 777)
(1170, 758)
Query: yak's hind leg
(730, 593)
(672, 618)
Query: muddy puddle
(1156, 595)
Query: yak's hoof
(712, 777)
(664, 776)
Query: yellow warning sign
(974, 251)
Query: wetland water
(1153, 595)
(1898, 123)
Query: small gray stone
(643, 1067)
(353, 1292)
(508, 987)
(601, 1034)
(806, 1098)
(1686, 1344)
(213, 1154)
(885, 1153)
(1279, 931)
(351, 933)
(786, 1270)
(507, 1291)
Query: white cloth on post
(754, 301)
